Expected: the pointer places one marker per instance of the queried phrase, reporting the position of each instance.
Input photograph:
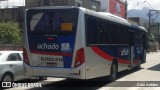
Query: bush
(10, 33)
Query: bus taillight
(25, 55)
(79, 57)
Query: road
(149, 74)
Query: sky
(11, 3)
(140, 4)
(140, 8)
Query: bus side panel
(121, 53)
(79, 43)
(27, 69)
(99, 60)
(96, 66)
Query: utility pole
(151, 13)
(149, 24)
(126, 9)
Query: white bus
(74, 42)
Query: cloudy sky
(11, 3)
(140, 8)
(139, 4)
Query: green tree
(10, 33)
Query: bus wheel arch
(113, 70)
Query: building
(139, 21)
(90, 4)
(17, 13)
(116, 7)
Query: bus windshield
(52, 21)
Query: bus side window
(114, 34)
(136, 38)
(104, 33)
(125, 36)
(140, 39)
(91, 31)
(131, 35)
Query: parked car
(11, 66)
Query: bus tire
(113, 72)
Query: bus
(77, 43)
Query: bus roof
(141, 28)
(54, 7)
(103, 15)
(113, 18)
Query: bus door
(144, 40)
(132, 55)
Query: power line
(137, 4)
(150, 5)
(156, 17)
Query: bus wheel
(113, 72)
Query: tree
(10, 33)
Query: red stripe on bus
(107, 56)
(135, 61)
(51, 53)
(123, 61)
(102, 53)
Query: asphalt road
(147, 78)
